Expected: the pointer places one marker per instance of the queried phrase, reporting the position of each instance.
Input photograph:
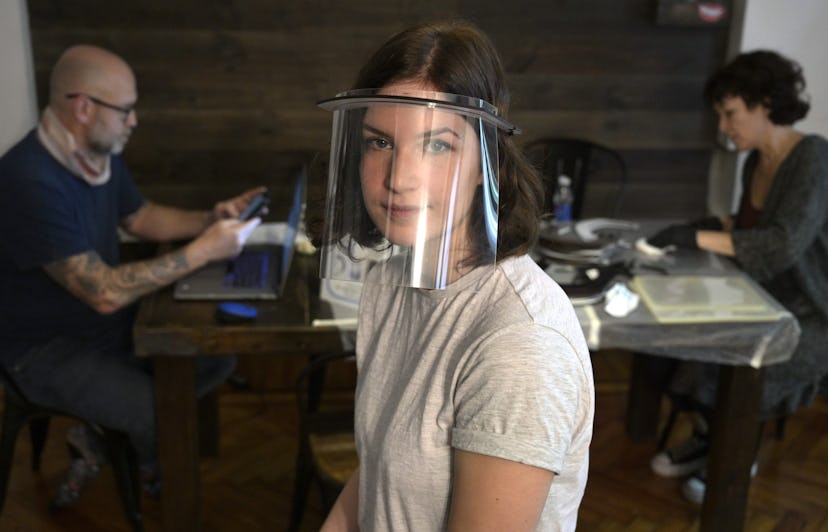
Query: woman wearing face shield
(475, 396)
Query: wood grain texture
(248, 487)
(227, 87)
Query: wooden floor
(249, 487)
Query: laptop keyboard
(248, 270)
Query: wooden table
(742, 350)
(172, 332)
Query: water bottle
(562, 199)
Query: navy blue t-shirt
(47, 214)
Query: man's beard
(117, 148)
(109, 148)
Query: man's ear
(81, 109)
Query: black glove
(681, 236)
(711, 223)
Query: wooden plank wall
(228, 87)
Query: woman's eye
(377, 143)
(437, 146)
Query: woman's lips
(402, 211)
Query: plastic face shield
(412, 187)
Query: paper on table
(274, 233)
(269, 233)
(697, 298)
(342, 296)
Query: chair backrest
(327, 427)
(11, 388)
(310, 389)
(598, 173)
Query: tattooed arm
(107, 289)
(161, 223)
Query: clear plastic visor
(412, 190)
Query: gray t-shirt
(496, 364)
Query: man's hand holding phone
(236, 206)
(256, 206)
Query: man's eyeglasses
(123, 110)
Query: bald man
(67, 302)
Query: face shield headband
(412, 188)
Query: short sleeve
(519, 397)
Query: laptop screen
(211, 281)
(294, 217)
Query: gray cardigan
(787, 251)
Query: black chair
(598, 174)
(327, 452)
(17, 411)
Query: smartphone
(255, 206)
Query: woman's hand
(680, 236)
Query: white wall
(799, 30)
(18, 108)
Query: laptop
(259, 272)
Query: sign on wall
(692, 12)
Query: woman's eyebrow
(439, 131)
(425, 134)
(374, 130)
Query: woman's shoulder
(527, 279)
(537, 296)
(808, 160)
(814, 144)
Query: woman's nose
(404, 174)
